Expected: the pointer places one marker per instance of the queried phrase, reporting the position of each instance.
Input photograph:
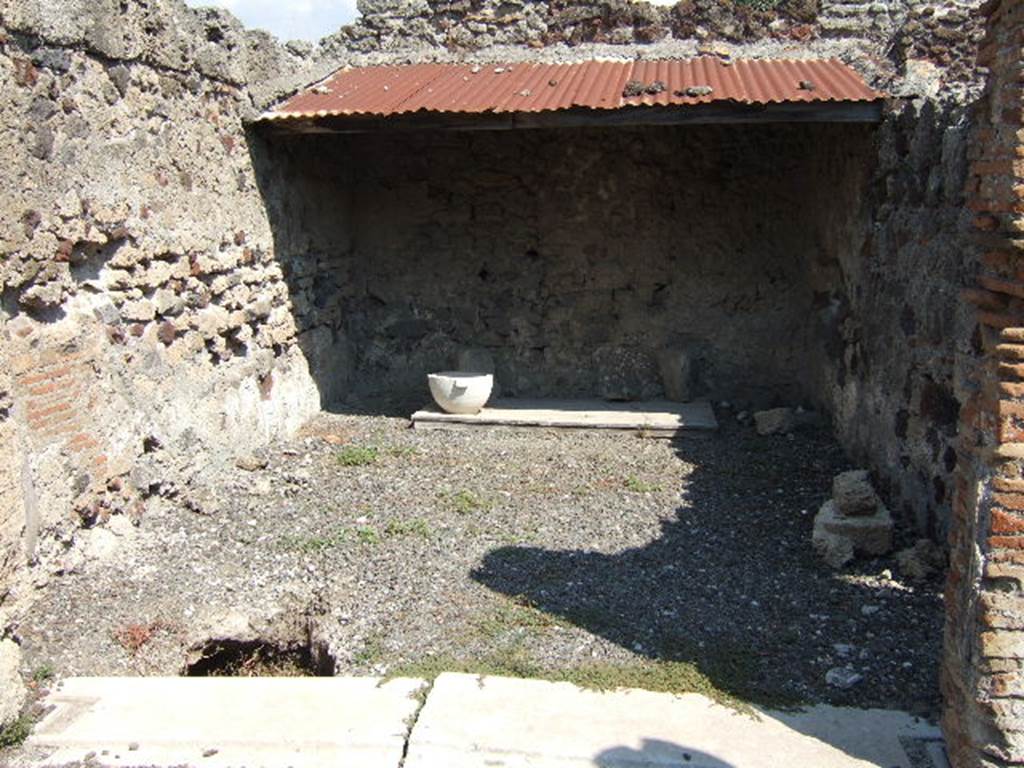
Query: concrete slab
(658, 418)
(220, 722)
(470, 721)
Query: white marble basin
(461, 391)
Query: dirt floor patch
(603, 559)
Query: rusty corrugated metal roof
(504, 88)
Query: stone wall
(147, 329)
(477, 24)
(574, 256)
(983, 677)
(895, 400)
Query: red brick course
(982, 678)
(52, 387)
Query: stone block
(212, 321)
(13, 693)
(139, 311)
(167, 302)
(625, 373)
(777, 421)
(44, 296)
(676, 366)
(835, 550)
(869, 535)
(853, 493)
(1002, 644)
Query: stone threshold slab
(221, 722)
(656, 418)
(469, 721)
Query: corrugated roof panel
(524, 87)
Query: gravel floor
(626, 559)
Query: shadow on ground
(731, 593)
(657, 752)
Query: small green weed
(635, 485)
(413, 527)
(371, 653)
(515, 618)
(42, 673)
(465, 502)
(367, 534)
(659, 676)
(512, 662)
(357, 456)
(526, 534)
(420, 697)
(403, 451)
(16, 733)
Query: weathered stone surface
(676, 366)
(624, 373)
(854, 494)
(834, 549)
(105, 247)
(559, 299)
(474, 360)
(250, 462)
(869, 535)
(921, 561)
(843, 677)
(13, 692)
(777, 421)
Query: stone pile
(853, 522)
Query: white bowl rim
(460, 375)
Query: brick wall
(984, 665)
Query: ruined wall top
(162, 33)
(923, 47)
(878, 37)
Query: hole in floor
(258, 658)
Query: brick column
(983, 669)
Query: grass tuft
(372, 652)
(42, 673)
(357, 456)
(413, 527)
(465, 502)
(659, 676)
(367, 534)
(403, 451)
(635, 485)
(16, 733)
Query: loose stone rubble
(853, 522)
(921, 561)
(777, 421)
